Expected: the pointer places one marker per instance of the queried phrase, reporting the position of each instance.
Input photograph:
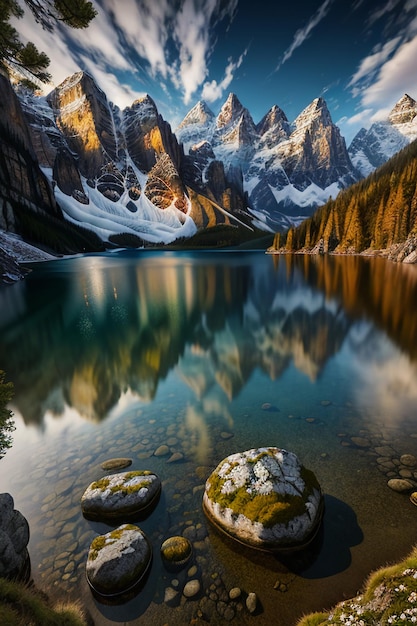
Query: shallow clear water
(211, 353)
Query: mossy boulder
(264, 498)
(118, 560)
(121, 495)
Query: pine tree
(354, 236)
(26, 57)
(378, 239)
(413, 212)
(290, 240)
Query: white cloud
(172, 46)
(389, 71)
(303, 33)
(192, 29)
(213, 90)
(145, 26)
(62, 64)
(396, 76)
(374, 61)
(191, 34)
(361, 118)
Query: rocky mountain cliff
(287, 169)
(371, 148)
(77, 173)
(27, 202)
(122, 175)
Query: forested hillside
(378, 213)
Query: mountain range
(77, 173)
(375, 216)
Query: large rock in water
(14, 538)
(264, 498)
(121, 495)
(118, 560)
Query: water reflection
(205, 355)
(88, 330)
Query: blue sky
(361, 56)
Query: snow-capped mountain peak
(404, 111)
(281, 163)
(316, 112)
(275, 118)
(199, 114)
(231, 110)
(371, 147)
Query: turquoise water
(208, 354)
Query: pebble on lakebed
(265, 499)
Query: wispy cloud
(396, 76)
(162, 41)
(213, 90)
(390, 70)
(303, 33)
(372, 63)
(379, 12)
(176, 45)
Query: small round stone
(409, 460)
(251, 602)
(361, 442)
(401, 485)
(176, 550)
(191, 588)
(235, 593)
(162, 450)
(170, 595)
(112, 464)
(175, 457)
(192, 571)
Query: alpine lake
(179, 359)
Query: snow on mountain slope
(371, 148)
(288, 169)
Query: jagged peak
(231, 110)
(199, 114)
(316, 109)
(145, 100)
(406, 100)
(273, 118)
(404, 111)
(74, 79)
(231, 106)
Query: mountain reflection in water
(86, 330)
(205, 354)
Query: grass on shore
(389, 597)
(21, 605)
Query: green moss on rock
(255, 496)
